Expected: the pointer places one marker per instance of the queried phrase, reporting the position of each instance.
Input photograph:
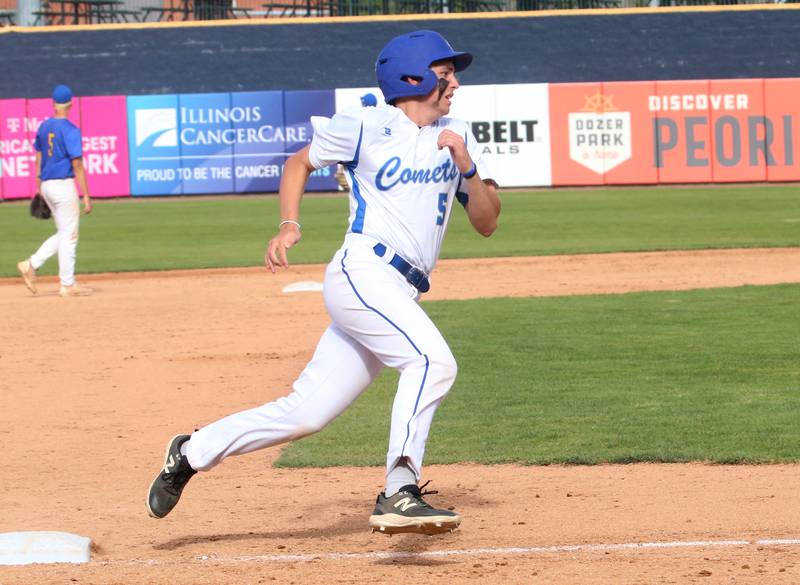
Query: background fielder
(59, 165)
(405, 164)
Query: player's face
(444, 70)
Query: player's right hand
(287, 237)
(458, 149)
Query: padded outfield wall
(574, 46)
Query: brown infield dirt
(92, 388)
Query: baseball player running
(405, 164)
(59, 164)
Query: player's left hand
(287, 237)
(458, 149)
(87, 206)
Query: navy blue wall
(583, 47)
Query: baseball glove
(39, 207)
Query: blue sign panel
(222, 143)
(206, 138)
(260, 151)
(153, 145)
(300, 106)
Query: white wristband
(285, 221)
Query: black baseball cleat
(406, 511)
(165, 491)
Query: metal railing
(56, 12)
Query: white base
(303, 286)
(25, 548)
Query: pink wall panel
(105, 145)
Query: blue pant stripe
(427, 361)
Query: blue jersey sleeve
(72, 143)
(37, 143)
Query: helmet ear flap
(425, 84)
(428, 83)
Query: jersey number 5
(442, 208)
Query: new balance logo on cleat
(407, 512)
(170, 464)
(166, 489)
(405, 504)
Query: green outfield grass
(711, 375)
(702, 375)
(201, 233)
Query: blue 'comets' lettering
(390, 174)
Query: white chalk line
(476, 552)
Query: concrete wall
(649, 45)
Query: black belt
(416, 277)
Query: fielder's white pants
(62, 197)
(376, 322)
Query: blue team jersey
(59, 141)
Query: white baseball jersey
(402, 185)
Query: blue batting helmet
(411, 55)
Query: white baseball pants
(376, 322)
(62, 197)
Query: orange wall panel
(681, 133)
(739, 131)
(630, 159)
(782, 109)
(573, 158)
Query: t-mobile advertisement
(17, 157)
(104, 133)
(20, 121)
(104, 129)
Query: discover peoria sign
(695, 131)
